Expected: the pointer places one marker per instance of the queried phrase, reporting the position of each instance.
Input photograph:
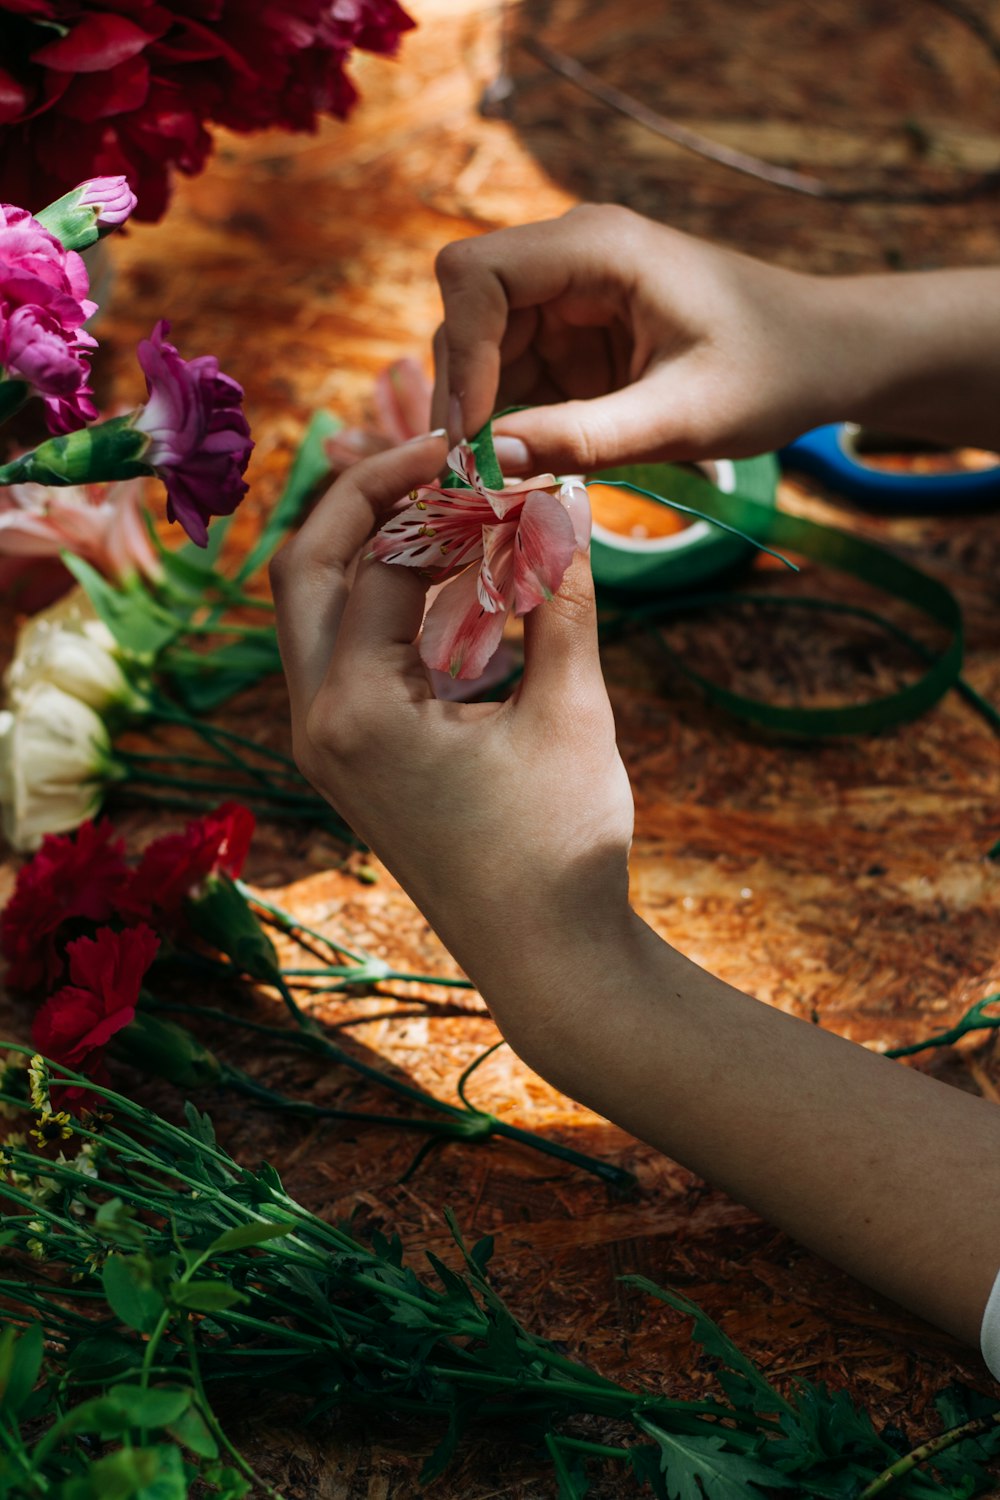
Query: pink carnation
(43, 307)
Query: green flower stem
(973, 1020)
(169, 713)
(468, 1124)
(279, 794)
(926, 1451)
(236, 1079)
(335, 971)
(286, 922)
(277, 814)
(214, 1425)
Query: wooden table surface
(844, 880)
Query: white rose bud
(55, 763)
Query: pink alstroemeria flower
(199, 438)
(502, 550)
(103, 524)
(403, 408)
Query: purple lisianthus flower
(43, 307)
(199, 439)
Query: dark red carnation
(100, 87)
(73, 877)
(75, 1025)
(174, 866)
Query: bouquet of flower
(99, 88)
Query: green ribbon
(848, 554)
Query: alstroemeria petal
(403, 400)
(463, 461)
(459, 636)
(496, 571)
(441, 531)
(543, 549)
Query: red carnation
(87, 90)
(174, 866)
(79, 876)
(75, 1025)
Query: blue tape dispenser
(845, 457)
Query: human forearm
(916, 353)
(881, 1169)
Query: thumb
(561, 659)
(636, 424)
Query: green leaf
(203, 680)
(133, 1474)
(223, 917)
(490, 471)
(206, 1296)
(242, 1236)
(193, 1433)
(309, 466)
(149, 1406)
(703, 1468)
(739, 1376)
(166, 1050)
(130, 1293)
(20, 1366)
(141, 627)
(115, 1220)
(103, 1357)
(571, 1472)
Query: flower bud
(167, 1051)
(107, 450)
(222, 917)
(94, 208)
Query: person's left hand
(509, 824)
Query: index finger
(310, 574)
(482, 280)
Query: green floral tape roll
(688, 557)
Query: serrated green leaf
(703, 1468)
(148, 1406)
(242, 1236)
(739, 1376)
(130, 1294)
(206, 1296)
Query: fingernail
(511, 452)
(421, 437)
(456, 428)
(576, 500)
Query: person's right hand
(629, 341)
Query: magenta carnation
(43, 306)
(199, 439)
(106, 87)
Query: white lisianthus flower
(55, 764)
(68, 646)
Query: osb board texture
(840, 880)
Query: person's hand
(508, 824)
(630, 341)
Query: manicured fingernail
(511, 452)
(456, 426)
(576, 500)
(421, 437)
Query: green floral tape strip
(835, 549)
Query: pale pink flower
(104, 524)
(498, 551)
(403, 409)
